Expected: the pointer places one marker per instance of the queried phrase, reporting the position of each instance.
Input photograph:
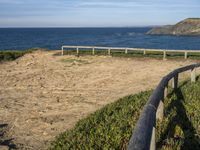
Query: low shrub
(12, 55)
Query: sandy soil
(43, 95)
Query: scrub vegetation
(9, 55)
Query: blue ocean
(54, 38)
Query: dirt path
(43, 95)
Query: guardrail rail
(126, 50)
(143, 137)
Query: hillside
(190, 26)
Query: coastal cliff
(190, 26)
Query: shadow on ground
(185, 135)
(3, 140)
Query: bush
(12, 55)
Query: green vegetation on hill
(190, 26)
(9, 55)
(181, 126)
(12, 55)
(108, 128)
(111, 127)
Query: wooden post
(93, 51)
(126, 51)
(160, 111)
(164, 55)
(108, 51)
(62, 52)
(185, 55)
(77, 50)
(153, 139)
(144, 52)
(193, 75)
(166, 91)
(175, 82)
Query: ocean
(54, 38)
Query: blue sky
(95, 13)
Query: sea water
(54, 38)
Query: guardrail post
(160, 111)
(166, 91)
(108, 51)
(126, 51)
(144, 52)
(185, 55)
(93, 51)
(62, 52)
(175, 82)
(77, 50)
(193, 75)
(164, 55)
(153, 139)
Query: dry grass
(42, 96)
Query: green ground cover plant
(111, 127)
(108, 128)
(9, 55)
(181, 126)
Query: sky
(95, 13)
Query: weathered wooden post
(144, 52)
(126, 51)
(160, 111)
(62, 52)
(109, 51)
(175, 82)
(164, 55)
(153, 139)
(166, 91)
(93, 51)
(193, 75)
(77, 50)
(185, 55)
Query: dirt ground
(43, 95)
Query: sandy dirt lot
(43, 95)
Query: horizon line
(88, 26)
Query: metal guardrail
(143, 137)
(126, 50)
